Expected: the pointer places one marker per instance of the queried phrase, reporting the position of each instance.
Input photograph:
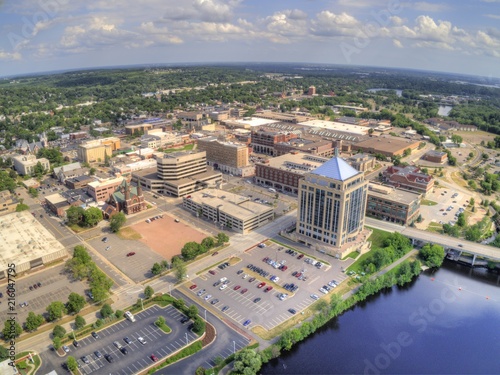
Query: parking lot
(138, 355)
(55, 286)
(248, 294)
(138, 266)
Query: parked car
(246, 322)
(131, 254)
(193, 286)
(141, 340)
(109, 358)
(244, 291)
(95, 335)
(98, 354)
(154, 358)
(127, 340)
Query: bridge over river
(459, 246)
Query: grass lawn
(352, 255)
(426, 202)
(165, 328)
(378, 237)
(128, 233)
(435, 227)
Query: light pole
(205, 315)
(187, 339)
(170, 289)
(234, 347)
(142, 306)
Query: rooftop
(298, 162)
(336, 126)
(388, 144)
(23, 238)
(390, 193)
(337, 169)
(254, 121)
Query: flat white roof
(23, 238)
(255, 121)
(336, 126)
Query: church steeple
(139, 189)
(127, 191)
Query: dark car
(39, 284)
(105, 239)
(239, 272)
(76, 344)
(127, 340)
(185, 319)
(109, 358)
(257, 300)
(225, 308)
(98, 354)
(95, 335)
(292, 311)
(85, 360)
(124, 350)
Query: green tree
(33, 192)
(117, 221)
(160, 321)
(208, 242)
(92, 171)
(72, 363)
(39, 170)
(119, 314)
(11, 330)
(156, 269)
(180, 269)
(461, 220)
(58, 331)
(407, 152)
(456, 139)
(92, 216)
(22, 207)
(148, 292)
(222, 238)
(80, 322)
(473, 233)
(33, 321)
(57, 343)
(75, 303)
(106, 310)
(192, 311)
(198, 325)
(75, 215)
(247, 362)
(432, 255)
(190, 250)
(472, 202)
(56, 310)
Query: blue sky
(460, 36)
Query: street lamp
(142, 306)
(205, 315)
(234, 347)
(187, 340)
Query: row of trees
(395, 246)
(192, 249)
(90, 217)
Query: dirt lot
(166, 237)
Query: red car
(300, 256)
(237, 287)
(261, 285)
(244, 291)
(299, 274)
(154, 358)
(130, 254)
(215, 253)
(268, 289)
(284, 268)
(265, 259)
(193, 286)
(211, 272)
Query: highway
(447, 242)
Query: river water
(445, 322)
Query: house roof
(337, 169)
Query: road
(445, 241)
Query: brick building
(408, 178)
(264, 141)
(435, 156)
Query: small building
(138, 129)
(231, 211)
(394, 205)
(26, 164)
(57, 204)
(70, 171)
(435, 156)
(78, 182)
(102, 190)
(8, 202)
(362, 162)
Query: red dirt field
(166, 237)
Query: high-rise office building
(332, 204)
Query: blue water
(443, 323)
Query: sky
(456, 36)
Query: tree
(247, 361)
(56, 310)
(156, 269)
(461, 220)
(208, 242)
(407, 152)
(39, 170)
(92, 216)
(222, 238)
(119, 314)
(432, 255)
(75, 215)
(22, 207)
(33, 192)
(192, 311)
(198, 325)
(456, 139)
(160, 321)
(72, 363)
(148, 292)
(58, 331)
(75, 303)
(180, 269)
(117, 221)
(472, 202)
(92, 171)
(33, 321)
(11, 330)
(106, 310)
(190, 250)
(80, 322)
(57, 343)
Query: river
(445, 322)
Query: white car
(314, 296)
(207, 297)
(222, 287)
(141, 340)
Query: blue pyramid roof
(337, 169)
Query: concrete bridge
(449, 243)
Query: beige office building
(25, 164)
(332, 204)
(228, 157)
(231, 211)
(178, 174)
(95, 151)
